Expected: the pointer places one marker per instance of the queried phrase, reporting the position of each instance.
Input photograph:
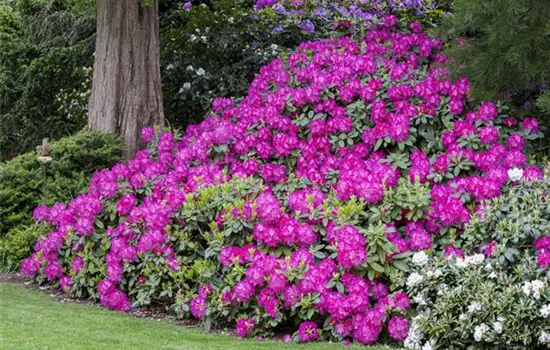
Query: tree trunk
(126, 89)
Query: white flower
(420, 258)
(497, 327)
(515, 174)
(526, 288)
(193, 37)
(432, 273)
(493, 275)
(203, 38)
(537, 287)
(186, 86)
(44, 159)
(414, 337)
(274, 46)
(414, 279)
(419, 299)
(190, 68)
(544, 337)
(475, 259)
(488, 267)
(429, 345)
(545, 311)
(200, 72)
(479, 331)
(462, 263)
(170, 67)
(463, 317)
(474, 307)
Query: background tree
(45, 46)
(126, 88)
(506, 51)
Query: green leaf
(377, 267)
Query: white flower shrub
(476, 303)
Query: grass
(29, 319)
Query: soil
(153, 312)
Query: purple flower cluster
(352, 251)
(198, 304)
(542, 247)
(350, 9)
(398, 328)
(308, 331)
(245, 326)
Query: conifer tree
(504, 48)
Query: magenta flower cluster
(300, 123)
(542, 247)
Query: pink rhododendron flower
(398, 328)
(147, 134)
(308, 331)
(245, 326)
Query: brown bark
(126, 89)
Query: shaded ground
(30, 319)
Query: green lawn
(30, 319)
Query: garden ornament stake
(44, 159)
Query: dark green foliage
(18, 244)
(44, 44)
(506, 52)
(543, 103)
(74, 160)
(226, 39)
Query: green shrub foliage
(22, 185)
(17, 244)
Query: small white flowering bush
(498, 296)
(506, 226)
(473, 303)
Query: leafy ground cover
(30, 319)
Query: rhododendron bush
(293, 212)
